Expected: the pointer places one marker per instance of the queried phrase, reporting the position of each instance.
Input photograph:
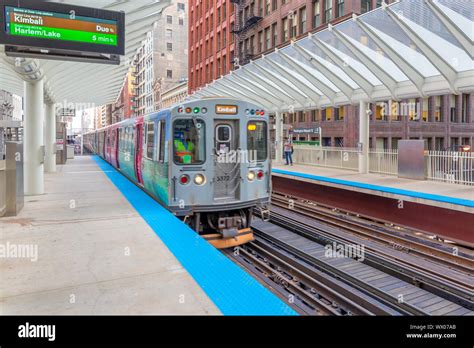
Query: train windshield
(257, 140)
(189, 141)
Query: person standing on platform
(288, 148)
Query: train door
(138, 153)
(226, 162)
(116, 146)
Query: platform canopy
(409, 49)
(86, 82)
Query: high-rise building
(162, 61)
(211, 41)
(103, 116)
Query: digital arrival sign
(52, 30)
(58, 26)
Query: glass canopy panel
(347, 56)
(295, 74)
(253, 71)
(419, 13)
(405, 48)
(360, 39)
(324, 59)
(290, 51)
(463, 7)
(269, 69)
(463, 21)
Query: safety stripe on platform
(415, 194)
(231, 289)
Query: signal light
(196, 110)
(180, 110)
(199, 179)
(252, 127)
(260, 174)
(204, 110)
(251, 176)
(189, 110)
(184, 179)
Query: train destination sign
(54, 30)
(57, 26)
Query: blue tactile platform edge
(232, 290)
(422, 195)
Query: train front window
(257, 140)
(189, 141)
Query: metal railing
(451, 167)
(332, 157)
(383, 161)
(446, 166)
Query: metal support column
(364, 128)
(33, 138)
(50, 138)
(278, 137)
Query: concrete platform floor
(430, 187)
(95, 254)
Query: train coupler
(264, 213)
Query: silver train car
(207, 161)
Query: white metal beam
(363, 58)
(453, 28)
(438, 62)
(355, 75)
(412, 73)
(251, 76)
(308, 75)
(222, 85)
(312, 94)
(255, 88)
(313, 60)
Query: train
(207, 161)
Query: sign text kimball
(227, 109)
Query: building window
(327, 10)
(378, 3)
(274, 5)
(365, 6)
(267, 6)
(424, 110)
(268, 40)
(181, 6)
(464, 107)
(260, 42)
(169, 19)
(169, 34)
(285, 33)
(452, 108)
(180, 21)
(303, 26)
(316, 14)
(294, 26)
(169, 74)
(340, 8)
(274, 35)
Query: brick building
(259, 26)
(211, 41)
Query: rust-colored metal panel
(446, 223)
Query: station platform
(441, 209)
(105, 247)
(451, 196)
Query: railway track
(295, 267)
(426, 263)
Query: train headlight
(251, 176)
(184, 179)
(199, 179)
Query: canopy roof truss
(89, 83)
(409, 49)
